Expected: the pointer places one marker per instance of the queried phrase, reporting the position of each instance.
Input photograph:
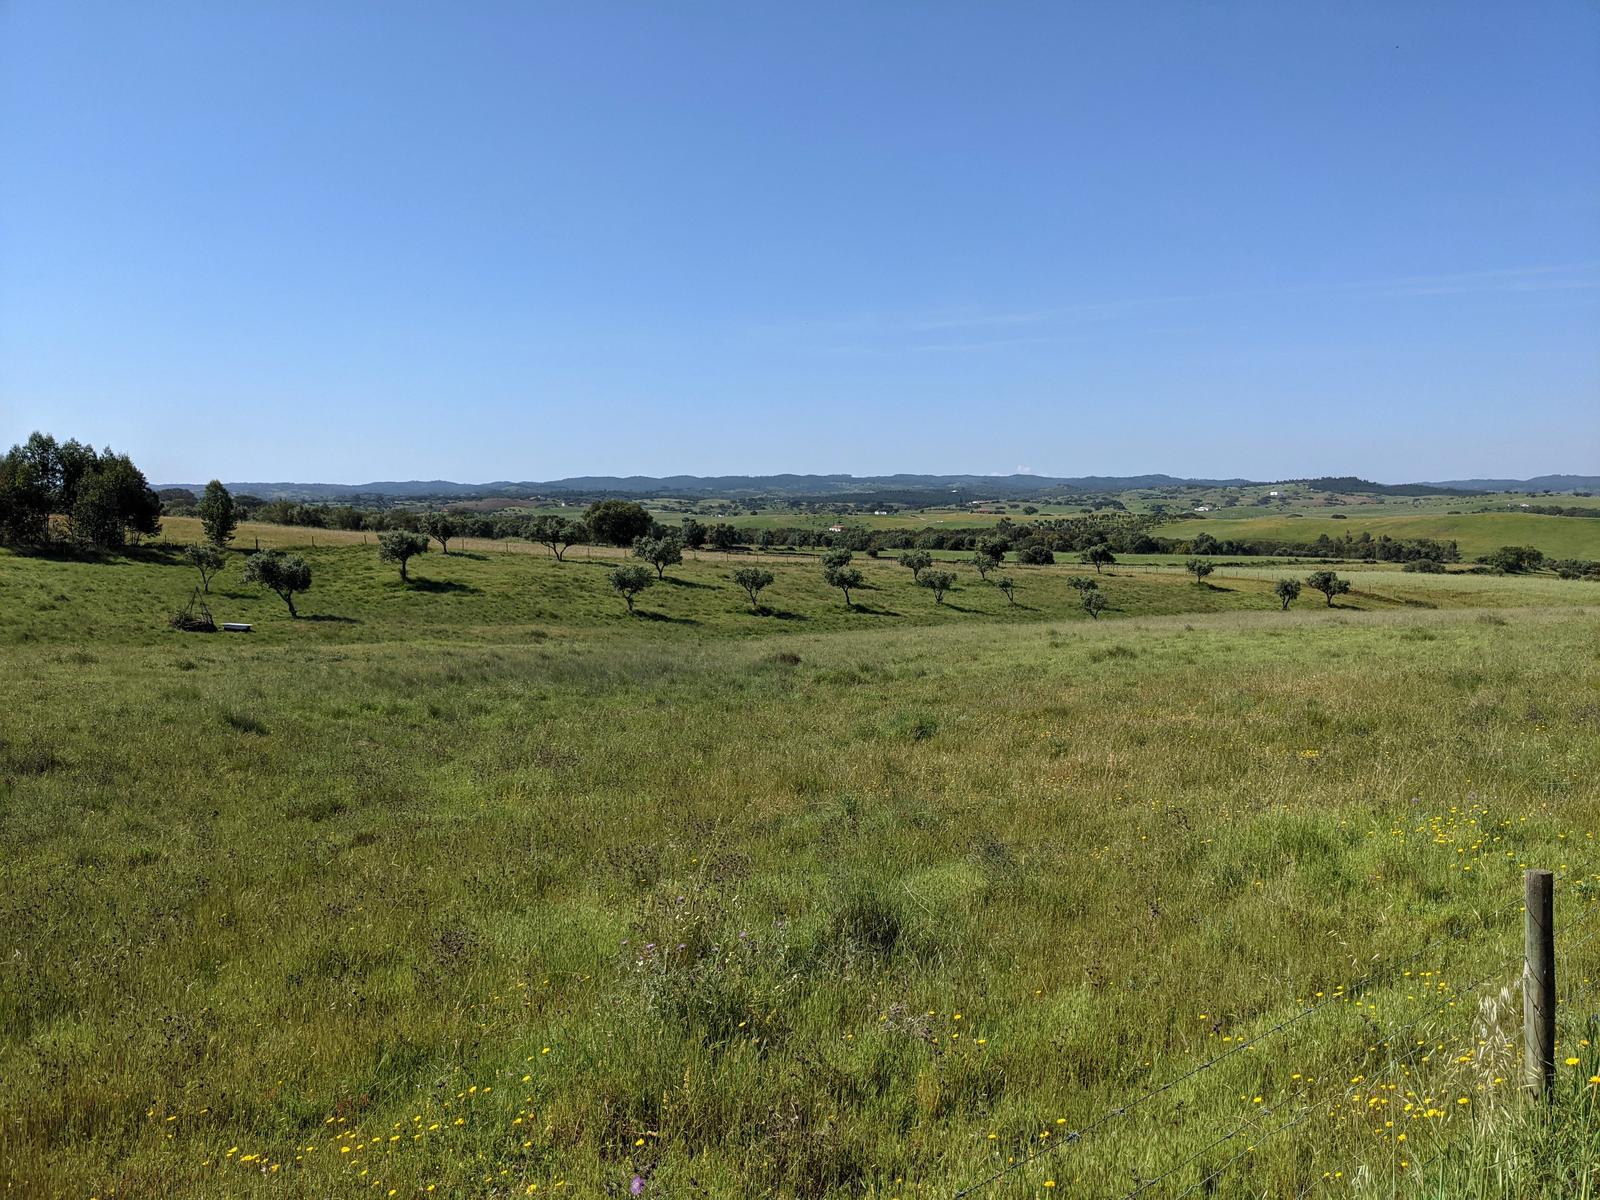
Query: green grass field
(480, 887)
(1301, 521)
(1475, 533)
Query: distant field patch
(1475, 533)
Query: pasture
(1299, 520)
(480, 887)
(1475, 533)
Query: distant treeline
(1547, 510)
(1122, 533)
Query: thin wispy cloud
(899, 332)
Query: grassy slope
(307, 889)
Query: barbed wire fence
(1536, 973)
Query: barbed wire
(1077, 1135)
(1386, 1039)
(1359, 1056)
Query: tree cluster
(104, 499)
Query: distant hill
(1539, 483)
(899, 489)
(928, 487)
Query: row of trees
(619, 522)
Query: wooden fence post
(1539, 984)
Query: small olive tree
(938, 582)
(1082, 583)
(1328, 583)
(836, 557)
(207, 559)
(1007, 585)
(1199, 568)
(286, 574)
(659, 552)
(440, 526)
(1287, 591)
(844, 578)
(752, 580)
(557, 533)
(400, 546)
(628, 582)
(916, 561)
(1094, 602)
(983, 562)
(1099, 556)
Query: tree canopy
(218, 515)
(401, 546)
(286, 574)
(617, 522)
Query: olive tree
(1093, 602)
(844, 578)
(400, 546)
(1287, 591)
(628, 582)
(917, 561)
(1328, 583)
(1007, 585)
(1098, 556)
(207, 559)
(557, 533)
(1199, 568)
(939, 582)
(983, 562)
(752, 580)
(1082, 583)
(283, 573)
(836, 557)
(659, 552)
(440, 526)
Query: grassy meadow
(1475, 533)
(1302, 517)
(480, 887)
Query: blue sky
(349, 241)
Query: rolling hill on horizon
(838, 484)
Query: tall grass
(493, 890)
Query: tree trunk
(288, 598)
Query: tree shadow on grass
(687, 583)
(444, 585)
(875, 612)
(330, 619)
(781, 614)
(474, 555)
(645, 615)
(958, 608)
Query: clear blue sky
(344, 241)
